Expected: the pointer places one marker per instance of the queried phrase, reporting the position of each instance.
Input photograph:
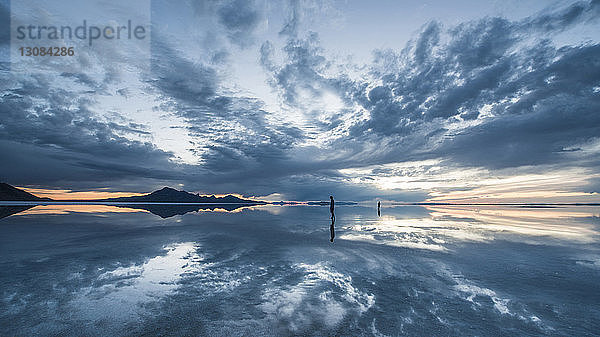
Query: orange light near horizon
(66, 209)
(72, 195)
(59, 195)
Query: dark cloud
(183, 82)
(292, 21)
(236, 19)
(303, 69)
(541, 136)
(240, 18)
(564, 18)
(427, 41)
(64, 141)
(300, 15)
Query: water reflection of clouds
(563, 223)
(324, 297)
(482, 297)
(589, 260)
(454, 224)
(118, 293)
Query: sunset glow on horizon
(76, 195)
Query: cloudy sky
(297, 100)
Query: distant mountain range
(166, 194)
(11, 193)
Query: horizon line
(277, 203)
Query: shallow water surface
(271, 270)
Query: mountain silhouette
(6, 211)
(169, 210)
(168, 194)
(11, 193)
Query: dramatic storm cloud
(261, 99)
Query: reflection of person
(379, 208)
(332, 229)
(331, 207)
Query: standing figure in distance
(331, 207)
(379, 208)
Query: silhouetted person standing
(379, 208)
(332, 207)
